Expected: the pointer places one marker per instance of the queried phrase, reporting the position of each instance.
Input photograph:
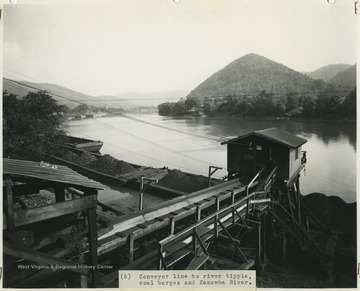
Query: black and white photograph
(179, 135)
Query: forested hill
(328, 72)
(252, 74)
(256, 86)
(346, 78)
(63, 95)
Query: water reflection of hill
(325, 131)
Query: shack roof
(48, 172)
(275, 135)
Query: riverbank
(265, 118)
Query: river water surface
(193, 145)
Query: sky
(111, 47)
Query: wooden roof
(48, 172)
(275, 135)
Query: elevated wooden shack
(265, 148)
(53, 237)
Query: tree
(31, 126)
(82, 108)
(166, 109)
(349, 105)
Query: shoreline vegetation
(321, 106)
(272, 118)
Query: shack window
(297, 154)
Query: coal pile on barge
(178, 180)
(111, 166)
(174, 179)
(105, 164)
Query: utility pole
(212, 170)
(143, 188)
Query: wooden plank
(234, 243)
(197, 262)
(91, 213)
(131, 240)
(41, 258)
(24, 217)
(175, 257)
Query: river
(193, 144)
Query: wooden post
(10, 205)
(141, 197)
(233, 209)
(131, 247)
(217, 203)
(297, 183)
(263, 258)
(160, 256)
(198, 213)
(91, 212)
(211, 173)
(83, 278)
(247, 208)
(258, 249)
(59, 194)
(194, 237)
(143, 188)
(172, 225)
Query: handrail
(246, 198)
(270, 176)
(255, 177)
(190, 228)
(189, 231)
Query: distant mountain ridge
(346, 78)
(61, 94)
(252, 74)
(72, 98)
(328, 72)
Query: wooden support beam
(143, 188)
(200, 242)
(194, 240)
(41, 258)
(297, 185)
(161, 260)
(291, 206)
(198, 213)
(211, 172)
(59, 194)
(258, 248)
(131, 239)
(216, 219)
(91, 215)
(24, 217)
(234, 243)
(172, 225)
(242, 219)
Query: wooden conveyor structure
(231, 224)
(214, 211)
